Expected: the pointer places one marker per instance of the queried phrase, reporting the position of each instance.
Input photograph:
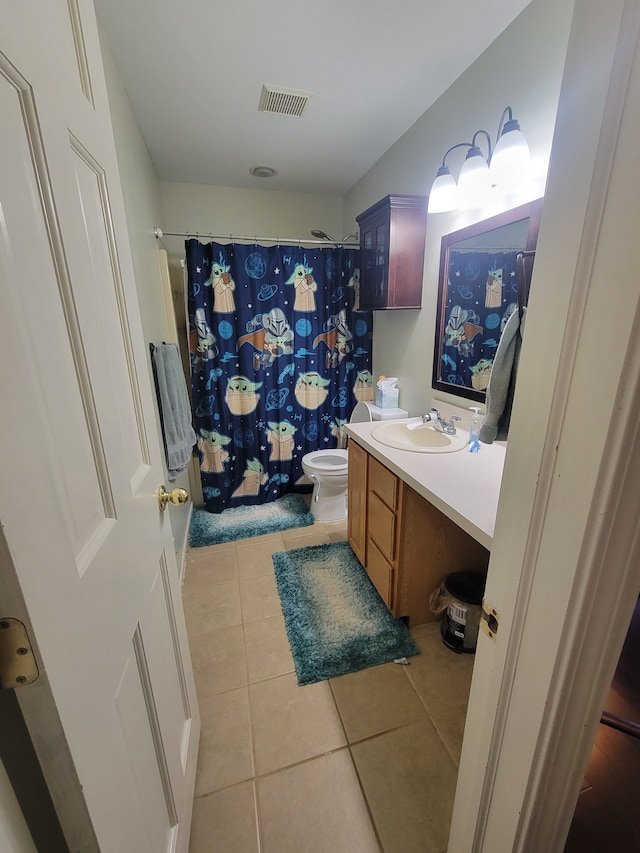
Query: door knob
(175, 496)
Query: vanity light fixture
(505, 165)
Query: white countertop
(463, 486)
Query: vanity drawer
(384, 483)
(381, 525)
(380, 572)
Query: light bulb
(474, 181)
(444, 192)
(511, 160)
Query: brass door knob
(175, 496)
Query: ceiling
(194, 72)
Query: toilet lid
(361, 414)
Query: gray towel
(175, 408)
(502, 381)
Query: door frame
(537, 695)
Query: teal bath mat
(335, 618)
(240, 522)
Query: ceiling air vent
(288, 102)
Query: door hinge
(489, 621)
(17, 663)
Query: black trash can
(463, 591)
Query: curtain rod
(159, 233)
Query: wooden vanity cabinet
(357, 501)
(383, 500)
(406, 545)
(392, 240)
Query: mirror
(482, 282)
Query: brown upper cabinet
(392, 238)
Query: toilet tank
(364, 412)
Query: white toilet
(327, 469)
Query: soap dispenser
(474, 430)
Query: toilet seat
(327, 462)
(328, 470)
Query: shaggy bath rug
(240, 522)
(335, 618)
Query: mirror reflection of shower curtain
(279, 359)
(482, 293)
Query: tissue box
(387, 398)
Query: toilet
(327, 469)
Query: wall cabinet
(392, 240)
(406, 545)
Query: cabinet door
(384, 483)
(357, 501)
(431, 546)
(405, 271)
(381, 574)
(381, 526)
(375, 263)
(392, 241)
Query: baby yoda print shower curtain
(279, 358)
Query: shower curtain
(279, 358)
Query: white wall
(203, 210)
(143, 208)
(522, 69)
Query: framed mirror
(485, 270)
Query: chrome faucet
(433, 416)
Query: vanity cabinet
(406, 545)
(357, 500)
(392, 240)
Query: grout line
(456, 761)
(366, 801)
(356, 770)
(256, 806)
(246, 674)
(390, 730)
(300, 763)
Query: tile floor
(366, 762)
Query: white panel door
(90, 553)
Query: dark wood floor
(607, 816)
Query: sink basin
(422, 439)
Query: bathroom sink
(422, 439)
